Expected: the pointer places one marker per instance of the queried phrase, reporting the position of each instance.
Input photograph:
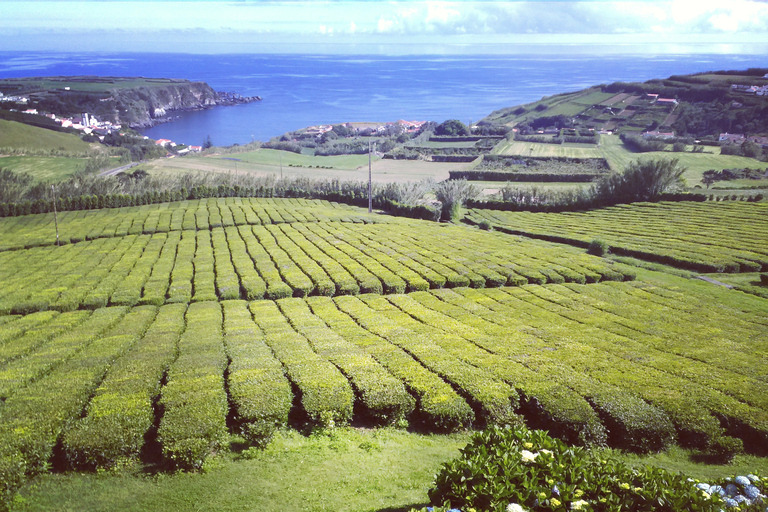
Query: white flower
(528, 456)
(514, 507)
(548, 452)
(579, 505)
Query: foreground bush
(506, 468)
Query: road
(116, 170)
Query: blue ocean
(304, 90)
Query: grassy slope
(22, 136)
(83, 84)
(48, 169)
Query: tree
(452, 127)
(640, 181)
(207, 143)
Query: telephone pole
(55, 215)
(370, 187)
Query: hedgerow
(325, 394)
(194, 400)
(34, 417)
(382, 396)
(121, 411)
(258, 388)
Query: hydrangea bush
(513, 469)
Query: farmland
(275, 162)
(160, 334)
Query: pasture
(43, 169)
(18, 136)
(274, 162)
(187, 335)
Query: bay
(305, 90)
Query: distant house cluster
(84, 122)
(740, 138)
(658, 135)
(758, 90)
(167, 143)
(661, 101)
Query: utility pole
(370, 187)
(55, 215)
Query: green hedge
(194, 400)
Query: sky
(385, 27)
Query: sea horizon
(301, 90)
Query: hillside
(136, 102)
(701, 105)
(27, 138)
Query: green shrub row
(259, 391)
(99, 295)
(491, 398)
(669, 382)
(323, 284)
(15, 325)
(180, 288)
(48, 325)
(157, 285)
(320, 236)
(204, 279)
(276, 288)
(18, 373)
(342, 280)
(121, 411)
(252, 285)
(438, 406)
(325, 395)
(40, 230)
(227, 282)
(194, 401)
(382, 397)
(700, 237)
(129, 291)
(291, 273)
(35, 416)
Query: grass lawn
(46, 169)
(345, 167)
(23, 136)
(346, 470)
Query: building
(162, 142)
(658, 135)
(731, 138)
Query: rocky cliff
(145, 106)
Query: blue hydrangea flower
(731, 490)
(742, 480)
(730, 503)
(754, 478)
(555, 491)
(739, 498)
(751, 492)
(716, 489)
(703, 486)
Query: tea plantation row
(282, 260)
(629, 364)
(76, 226)
(705, 237)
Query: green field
(20, 136)
(45, 169)
(275, 162)
(612, 149)
(184, 336)
(90, 84)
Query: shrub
(484, 225)
(598, 247)
(503, 466)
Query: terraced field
(706, 237)
(169, 328)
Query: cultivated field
(162, 334)
(346, 167)
(618, 156)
